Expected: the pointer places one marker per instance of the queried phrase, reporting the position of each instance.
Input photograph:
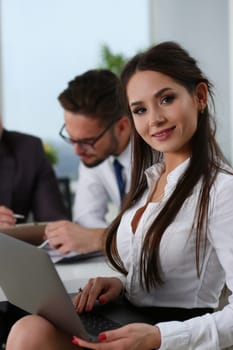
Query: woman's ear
(202, 96)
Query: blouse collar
(153, 173)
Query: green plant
(111, 61)
(51, 153)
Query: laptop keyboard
(96, 323)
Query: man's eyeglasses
(85, 144)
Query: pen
(18, 216)
(43, 244)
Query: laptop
(30, 281)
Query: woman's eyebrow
(157, 94)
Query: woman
(173, 240)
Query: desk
(75, 275)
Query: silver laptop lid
(31, 282)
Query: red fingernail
(101, 300)
(102, 337)
(88, 309)
(75, 341)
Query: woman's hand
(6, 217)
(103, 289)
(134, 336)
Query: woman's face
(165, 114)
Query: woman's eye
(140, 110)
(167, 99)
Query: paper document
(57, 256)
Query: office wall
(203, 27)
(46, 43)
(230, 17)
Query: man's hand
(67, 236)
(6, 217)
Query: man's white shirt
(97, 189)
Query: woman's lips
(164, 134)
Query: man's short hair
(96, 94)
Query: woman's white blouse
(182, 287)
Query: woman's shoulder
(224, 178)
(225, 172)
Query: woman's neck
(172, 161)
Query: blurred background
(44, 44)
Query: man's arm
(95, 190)
(95, 185)
(47, 201)
(28, 182)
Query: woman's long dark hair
(205, 162)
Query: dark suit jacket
(27, 180)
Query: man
(99, 130)
(27, 181)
